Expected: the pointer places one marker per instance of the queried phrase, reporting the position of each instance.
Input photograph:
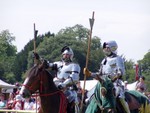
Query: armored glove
(116, 77)
(86, 72)
(45, 63)
(36, 56)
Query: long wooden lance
(91, 20)
(34, 41)
(35, 36)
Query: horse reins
(41, 89)
(62, 97)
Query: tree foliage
(7, 55)
(145, 68)
(77, 38)
(130, 71)
(14, 65)
(21, 60)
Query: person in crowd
(125, 85)
(3, 102)
(17, 88)
(112, 66)
(36, 104)
(28, 104)
(18, 103)
(141, 86)
(10, 101)
(67, 75)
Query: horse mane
(50, 77)
(34, 70)
(41, 65)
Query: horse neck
(47, 85)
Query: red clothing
(18, 105)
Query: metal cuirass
(111, 65)
(64, 70)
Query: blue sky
(126, 21)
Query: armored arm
(53, 66)
(120, 69)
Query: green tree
(21, 60)
(7, 56)
(76, 37)
(130, 71)
(145, 68)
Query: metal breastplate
(112, 65)
(64, 70)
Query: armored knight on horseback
(112, 66)
(67, 75)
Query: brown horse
(39, 79)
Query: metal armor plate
(113, 65)
(64, 70)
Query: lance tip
(93, 15)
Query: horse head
(39, 79)
(31, 83)
(35, 79)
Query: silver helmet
(69, 51)
(112, 45)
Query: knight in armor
(112, 66)
(67, 75)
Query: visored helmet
(112, 45)
(69, 51)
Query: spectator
(37, 104)
(10, 101)
(3, 102)
(141, 86)
(125, 85)
(28, 104)
(18, 103)
(17, 89)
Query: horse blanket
(98, 101)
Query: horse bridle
(29, 88)
(62, 98)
